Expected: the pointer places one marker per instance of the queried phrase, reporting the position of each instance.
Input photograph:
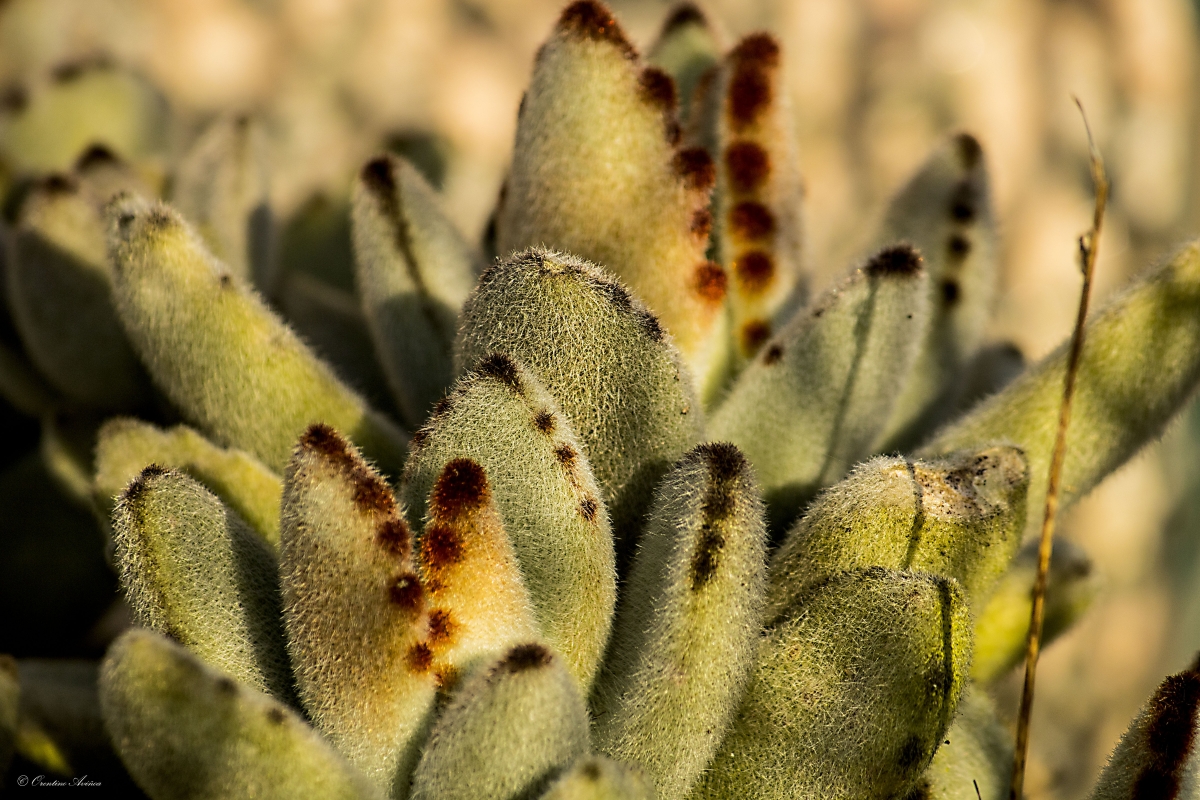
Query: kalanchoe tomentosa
(628, 533)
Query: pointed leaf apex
(587, 19)
(378, 177)
(684, 14)
(95, 156)
(970, 152)
(525, 657)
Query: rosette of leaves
(613, 523)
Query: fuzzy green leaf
(604, 357)
(124, 447)
(501, 417)
(193, 570)
(976, 753)
(60, 291)
(232, 366)
(852, 693)
(600, 778)
(513, 724)
(414, 271)
(223, 188)
(187, 731)
(1002, 626)
(1140, 364)
(687, 47)
(597, 172)
(687, 630)
(945, 211)
(815, 397)
(961, 518)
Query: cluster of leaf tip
(620, 528)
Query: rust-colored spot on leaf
(751, 220)
(525, 657)
(707, 557)
(773, 354)
(754, 333)
(323, 440)
(441, 546)
(544, 421)
(658, 89)
(899, 260)
(748, 166)
(964, 202)
(959, 247)
(378, 177)
(695, 166)
(588, 507)
(590, 20)
(393, 536)
(702, 221)
(461, 487)
(566, 455)
(442, 627)
(372, 495)
(710, 282)
(751, 89)
(754, 271)
(406, 592)
(419, 657)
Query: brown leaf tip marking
(393, 536)
(684, 14)
(725, 461)
(378, 177)
(371, 492)
(754, 270)
(588, 508)
(650, 325)
(441, 547)
(696, 168)
(748, 166)
(461, 487)
(725, 465)
(658, 89)
(710, 282)
(503, 369)
(442, 627)
(970, 152)
(587, 19)
(419, 657)
(702, 221)
(900, 260)
(525, 657)
(95, 156)
(137, 487)
(750, 87)
(406, 592)
(544, 421)
(1170, 729)
(750, 220)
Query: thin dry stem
(1088, 245)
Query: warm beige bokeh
(876, 84)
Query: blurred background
(875, 85)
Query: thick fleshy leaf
(414, 270)
(686, 49)
(687, 630)
(600, 778)
(605, 359)
(193, 570)
(976, 755)
(1141, 363)
(597, 172)
(814, 399)
(185, 730)
(508, 730)
(225, 359)
(852, 693)
(500, 417)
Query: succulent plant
(630, 517)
